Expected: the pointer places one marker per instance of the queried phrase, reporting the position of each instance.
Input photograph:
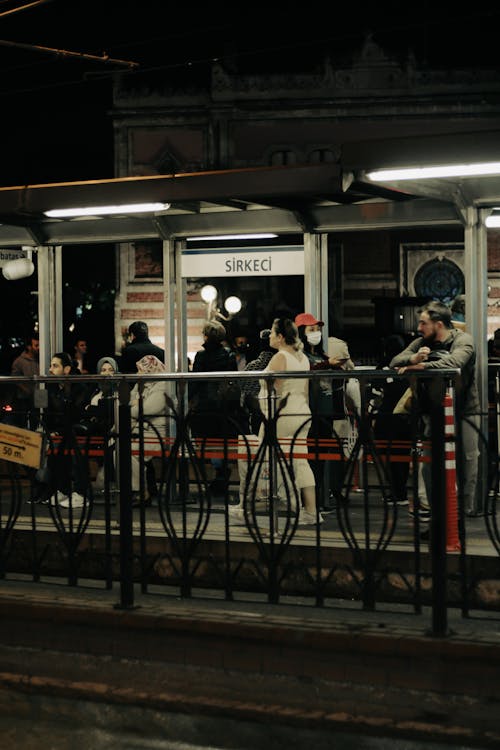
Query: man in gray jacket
(443, 346)
(27, 365)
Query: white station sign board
(7, 254)
(243, 261)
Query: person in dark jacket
(250, 388)
(66, 472)
(66, 400)
(248, 444)
(392, 430)
(139, 346)
(214, 405)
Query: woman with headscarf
(152, 394)
(100, 414)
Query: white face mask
(314, 337)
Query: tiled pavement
(288, 665)
(294, 665)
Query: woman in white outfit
(294, 420)
(154, 409)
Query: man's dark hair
(139, 329)
(438, 311)
(30, 337)
(66, 360)
(458, 304)
(214, 331)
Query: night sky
(55, 107)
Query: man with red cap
(307, 319)
(327, 400)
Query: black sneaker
(37, 501)
(219, 487)
(473, 513)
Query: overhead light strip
(129, 208)
(219, 237)
(493, 220)
(423, 173)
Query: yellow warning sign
(20, 446)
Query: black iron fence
(232, 490)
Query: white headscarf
(149, 364)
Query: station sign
(286, 260)
(7, 254)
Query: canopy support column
(476, 288)
(50, 313)
(169, 302)
(181, 308)
(316, 277)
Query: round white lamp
(19, 268)
(208, 293)
(232, 305)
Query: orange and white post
(452, 538)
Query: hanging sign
(8, 254)
(243, 261)
(20, 446)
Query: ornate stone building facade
(237, 121)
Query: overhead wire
(20, 8)
(393, 30)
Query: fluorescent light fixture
(130, 208)
(422, 173)
(260, 236)
(493, 220)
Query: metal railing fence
(206, 496)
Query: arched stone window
(283, 157)
(321, 156)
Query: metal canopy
(438, 150)
(279, 199)
(314, 198)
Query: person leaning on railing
(439, 346)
